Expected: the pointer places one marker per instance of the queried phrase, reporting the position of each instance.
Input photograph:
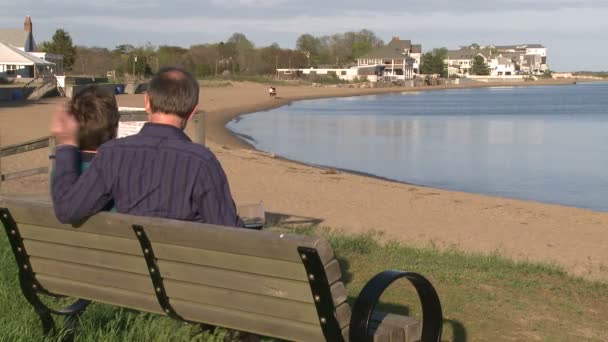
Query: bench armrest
(432, 317)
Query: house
(501, 66)
(368, 73)
(19, 57)
(461, 61)
(533, 57)
(502, 60)
(15, 63)
(399, 58)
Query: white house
(349, 74)
(19, 57)
(15, 63)
(501, 66)
(461, 61)
(399, 59)
(534, 57)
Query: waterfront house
(400, 59)
(460, 61)
(533, 57)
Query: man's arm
(213, 197)
(76, 196)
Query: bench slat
(242, 301)
(93, 275)
(270, 245)
(76, 238)
(108, 295)
(236, 262)
(84, 256)
(239, 281)
(259, 324)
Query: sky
(574, 31)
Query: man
(158, 172)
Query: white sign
(127, 128)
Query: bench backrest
(236, 278)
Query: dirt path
(573, 238)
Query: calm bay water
(547, 144)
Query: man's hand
(64, 127)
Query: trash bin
(16, 95)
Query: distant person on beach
(272, 91)
(158, 172)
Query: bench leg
(30, 287)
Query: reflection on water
(542, 143)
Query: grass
(484, 298)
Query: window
(343, 73)
(11, 69)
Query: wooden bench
(268, 283)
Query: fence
(126, 115)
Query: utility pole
(134, 61)
(276, 65)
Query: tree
(244, 51)
(435, 62)
(479, 66)
(94, 61)
(62, 44)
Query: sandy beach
(292, 192)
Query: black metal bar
(321, 293)
(27, 279)
(432, 317)
(155, 274)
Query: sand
(572, 238)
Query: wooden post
(51, 156)
(0, 162)
(200, 127)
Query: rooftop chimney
(396, 38)
(27, 25)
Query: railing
(27, 146)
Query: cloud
(432, 23)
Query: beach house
(399, 59)
(19, 57)
(460, 61)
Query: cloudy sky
(573, 30)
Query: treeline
(235, 56)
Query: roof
(417, 48)
(18, 38)
(468, 53)
(394, 49)
(12, 55)
(520, 47)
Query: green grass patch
(484, 297)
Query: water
(547, 144)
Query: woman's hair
(97, 114)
